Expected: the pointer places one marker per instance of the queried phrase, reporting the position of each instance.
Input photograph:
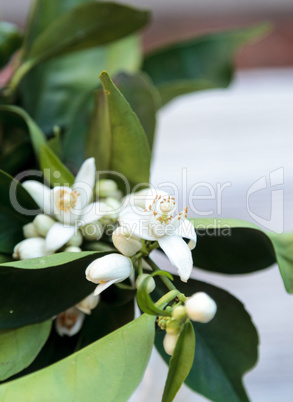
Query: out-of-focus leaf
(180, 362)
(36, 135)
(110, 368)
(85, 26)
(201, 63)
(10, 41)
(125, 147)
(143, 98)
(20, 346)
(16, 209)
(17, 158)
(241, 247)
(48, 285)
(51, 164)
(226, 347)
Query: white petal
(137, 223)
(186, 229)
(152, 194)
(110, 267)
(179, 254)
(103, 286)
(33, 247)
(84, 182)
(63, 322)
(41, 195)
(59, 235)
(93, 212)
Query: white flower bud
(127, 243)
(69, 322)
(115, 206)
(76, 240)
(200, 307)
(106, 188)
(72, 249)
(29, 230)
(88, 304)
(43, 224)
(93, 231)
(151, 282)
(107, 270)
(33, 247)
(169, 343)
(179, 313)
(136, 199)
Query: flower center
(67, 200)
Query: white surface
(236, 135)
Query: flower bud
(115, 206)
(174, 327)
(72, 249)
(33, 247)
(200, 307)
(112, 268)
(93, 231)
(151, 282)
(106, 188)
(29, 230)
(69, 322)
(169, 343)
(76, 239)
(88, 304)
(136, 199)
(127, 243)
(179, 313)
(43, 224)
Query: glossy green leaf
(85, 26)
(180, 362)
(201, 63)
(35, 133)
(109, 369)
(125, 142)
(20, 346)
(241, 247)
(54, 171)
(49, 285)
(10, 41)
(143, 98)
(16, 209)
(226, 347)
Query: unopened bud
(169, 343)
(179, 313)
(127, 243)
(115, 206)
(76, 239)
(150, 285)
(29, 230)
(200, 307)
(93, 231)
(33, 247)
(72, 249)
(174, 327)
(43, 224)
(106, 188)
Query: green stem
(18, 76)
(167, 298)
(139, 266)
(164, 279)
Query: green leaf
(180, 362)
(201, 63)
(144, 300)
(16, 209)
(85, 26)
(125, 143)
(36, 135)
(10, 41)
(241, 247)
(48, 285)
(226, 347)
(109, 369)
(143, 98)
(17, 158)
(51, 165)
(19, 347)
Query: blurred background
(237, 136)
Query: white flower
(70, 206)
(200, 307)
(88, 304)
(33, 247)
(169, 343)
(69, 322)
(127, 243)
(107, 270)
(157, 222)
